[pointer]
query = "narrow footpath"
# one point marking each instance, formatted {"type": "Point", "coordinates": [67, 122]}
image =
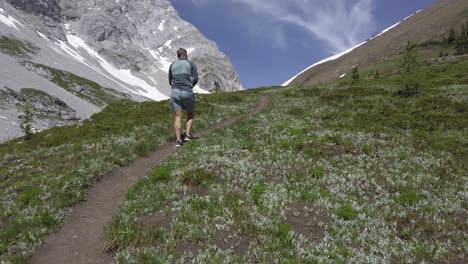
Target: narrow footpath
{"type": "Point", "coordinates": [80, 239]}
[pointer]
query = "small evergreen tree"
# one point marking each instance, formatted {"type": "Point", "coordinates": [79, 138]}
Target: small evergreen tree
{"type": "Point", "coordinates": [217, 87]}
{"type": "Point", "coordinates": [464, 31]}
{"type": "Point", "coordinates": [377, 74]}
{"type": "Point", "coordinates": [410, 66]}
{"type": "Point", "coordinates": [356, 76]}
{"type": "Point", "coordinates": [452, 38]}
{"type": "Point", "coordinates": [462, 42]}
{"type": "Point", "coordinates": [27, 120]}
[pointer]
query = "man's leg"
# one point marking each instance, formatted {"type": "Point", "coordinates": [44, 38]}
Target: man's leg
{"type": "Point", "coordinates": [177, 123]}
{"type": "Point", "coordinates": [189, 123]}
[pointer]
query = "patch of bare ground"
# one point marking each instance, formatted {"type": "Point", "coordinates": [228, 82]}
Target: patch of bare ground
{"type": "Point", "coordinates": [457, 224]}
{"type": "Point", "coordinates": [232, 241]}
{"type": "Point", "coordinates": [458, 220]}
{"type": "Point", "coordinates": [156, 220]}
{"type": "Point", "coordinates": [187, 247]}
{"type": "Point", "coordinates": [189, 190]}
{"type": "Point", "coordinates": [308, 221]}
{"type": "Point", "coordinates": [453, 260]}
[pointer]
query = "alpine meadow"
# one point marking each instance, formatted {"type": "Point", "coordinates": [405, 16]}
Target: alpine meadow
{"type": "Point", "coordinates": [360, 158]}
{"type": "Point", "coordinates": [347, 171]}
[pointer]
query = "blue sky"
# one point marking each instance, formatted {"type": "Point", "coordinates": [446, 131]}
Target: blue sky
{"type": "Point", "coordinates": [270, 41]}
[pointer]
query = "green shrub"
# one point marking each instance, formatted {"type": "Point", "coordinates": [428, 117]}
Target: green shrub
{"type": "Point", "coordinates": [410, 67]}
{"type": "Point", "coordinates": [256, 191]}
{"type": "Point", "coordinates": [161, 174]}
{"type": "Point", "coordinates": [409, 197]}
{"type": "Point", "coordinates": [198, 177]}
{"type": "Point", "coordinates": [318, 172]}
{"type": "Point", "coordinates": [347, 212]}
{"type": "Point", "coordinates": [30, 195]}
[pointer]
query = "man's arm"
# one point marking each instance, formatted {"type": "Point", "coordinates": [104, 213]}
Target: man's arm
{"type": "Point", "coordinates": [194, 74]}
{"type": "Point", "coordinates": [170, 75]}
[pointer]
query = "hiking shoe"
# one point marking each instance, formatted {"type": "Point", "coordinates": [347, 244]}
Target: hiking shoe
{"type": "Point", "coordinates": [188, 137]}
{"type": "Point", "coordinates": [179, 143]}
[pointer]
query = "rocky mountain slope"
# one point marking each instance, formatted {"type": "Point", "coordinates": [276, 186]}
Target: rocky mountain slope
{"type": "Point", "coordinates": [430, 24]}
{"type": "Point", "coordinates": [86, 54]}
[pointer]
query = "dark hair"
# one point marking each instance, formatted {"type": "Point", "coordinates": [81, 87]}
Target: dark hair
{"type": "Point", "coordinates": [181, 53]}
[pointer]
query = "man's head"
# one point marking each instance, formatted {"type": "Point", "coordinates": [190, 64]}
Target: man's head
{"type": "Point", "coordinates": [182, 53]}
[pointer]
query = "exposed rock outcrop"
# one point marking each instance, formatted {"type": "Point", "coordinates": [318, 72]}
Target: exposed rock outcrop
{"type": "Point", "coordinates": [117, 45]}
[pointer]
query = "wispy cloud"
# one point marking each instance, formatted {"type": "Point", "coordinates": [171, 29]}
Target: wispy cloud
{"type": "Point", "coordinates": [340, 24]}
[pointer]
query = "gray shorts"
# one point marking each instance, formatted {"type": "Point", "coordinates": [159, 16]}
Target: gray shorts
{"type": "Point", "coordinates": [182, 100]}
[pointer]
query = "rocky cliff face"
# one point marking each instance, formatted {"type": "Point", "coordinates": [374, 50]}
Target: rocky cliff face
{"type": "Point", "coordinates": [46, 8]}
{"type": "Point", "coordinates": [113, 48]}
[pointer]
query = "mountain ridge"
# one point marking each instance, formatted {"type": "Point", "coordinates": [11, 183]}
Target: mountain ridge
{"type": "Point", "coordinates": [430, 24]}
{"type": "Point", "coordinates": [121, 45]}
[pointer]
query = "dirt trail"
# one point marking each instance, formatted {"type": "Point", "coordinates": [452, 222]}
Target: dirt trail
{"type": "Point", "coordinates": [80, 238]}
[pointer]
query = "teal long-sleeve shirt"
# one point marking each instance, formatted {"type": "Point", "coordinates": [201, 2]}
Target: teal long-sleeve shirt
{"type": "Point", "coordinates": [183, 75]}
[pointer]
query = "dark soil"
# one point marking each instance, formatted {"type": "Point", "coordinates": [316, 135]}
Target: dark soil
{"type": "Point", "coordinates": [156, 220]}
{"type": "Point", "coordinates": [308, 221]}
{"type": "Point", "coordinates": [232, 241]}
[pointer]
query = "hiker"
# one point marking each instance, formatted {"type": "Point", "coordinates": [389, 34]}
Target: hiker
{"type": "Point", "coordinates": [183, 77]}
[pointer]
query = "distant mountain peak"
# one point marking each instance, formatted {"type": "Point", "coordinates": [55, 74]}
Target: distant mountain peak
{"type": "Point", "coordinates": [126, 46]}
{"type": "Point", "coordinates": [432, 23]}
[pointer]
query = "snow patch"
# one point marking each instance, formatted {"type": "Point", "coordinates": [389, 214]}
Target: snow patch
{"type": "Point", "coordinates": [176, 28]}
{"type": "Point", "coordinates": [343, 75]}
{"type": "Point", "coordinates": [161, 25]}
{"type": "Point", "coordinates": [384, 31]}
{"type": "Point", "coordinates": [152, 79]}
{"type": "Point", "coordinates": [190, 50]}
{"type": "Point", "coordinates": [391, 27]}
{"type": "Point", "coordinates": [412, 14]}
{"type": "Point", "coordinates": [51, 45]}
{"type": "Point", "coordinates": [67, 27]}
{"type": "Point", "coordinates": [165, 62]}
{"type": "Point", "coordinates": [168, 43]}
{"type": "Point", "coordinates": [334, 57]}
{"type": "Point", "coordinates": [74, 54]}
{"type": "Point", "coordinates": [123, 75]}
{"type": "Point", "coordinates": [42, 35]}
{"type": "Point", "coordinates": [9, 20]}
{"type": "Point", "coordinates": [2, 117]}
{"type": "Point", "coordinates": [199, 90]}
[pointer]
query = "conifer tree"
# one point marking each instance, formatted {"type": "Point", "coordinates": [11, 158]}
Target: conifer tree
{"type": "Point", "coordinates": [462, 42]}
{"type": "Point", "coordinates": [410, 66]}
{"type": "Point", "coordinates": [452, 36]}
{"type": "Point", "coordinates": [217, 87]}
{"type": "Point", "coordinates": [464, 31]}
{"type": "Point", "coordinates": [27, 120]}
{"type": "Point", "coordinates": [356, 76]}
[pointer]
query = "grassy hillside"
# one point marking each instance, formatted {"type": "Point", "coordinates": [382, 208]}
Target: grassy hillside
{"type": "Point", "coordinates": [79, 86]}
{"type": "Point", "coordinates": [325, 174]}
{"type": "Point", "coordinates": [434, 23]}
{"type": "Point", "coordinates": [15, 47]}
{"type": "Point", "coordinates": [43, 176]}
{"type": "Point", "coordinates": [329, 173]}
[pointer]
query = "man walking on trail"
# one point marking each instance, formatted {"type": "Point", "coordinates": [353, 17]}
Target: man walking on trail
{"type": "Point", "coordinates": [183, 76]}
